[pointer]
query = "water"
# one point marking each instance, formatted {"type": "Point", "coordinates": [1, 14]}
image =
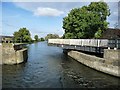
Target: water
{"type": "Point", "coordinates": [48, 67]}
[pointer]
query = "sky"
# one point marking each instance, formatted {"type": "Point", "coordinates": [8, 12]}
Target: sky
{"type": "Point", "coordinates": [41, 18]}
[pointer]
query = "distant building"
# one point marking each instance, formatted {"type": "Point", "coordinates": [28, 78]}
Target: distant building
{"type": "Point", "coordinates": [111, 33]}
{"type": "Point", "coordinates": [6, 39]}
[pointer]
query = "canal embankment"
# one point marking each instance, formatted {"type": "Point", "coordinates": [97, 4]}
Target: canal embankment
{"type": "Point", "coordinates": [110, 63]}
{"type": "Point", "coordinates": [13, 54]}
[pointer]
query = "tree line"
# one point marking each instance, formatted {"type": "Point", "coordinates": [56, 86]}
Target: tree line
{"type": "Point", "coordinates": [23, 35]}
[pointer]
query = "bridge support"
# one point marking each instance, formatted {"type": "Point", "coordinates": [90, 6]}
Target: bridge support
{"type": "Point", "coordinates": [112, 55]}
{"type": "Point", "coordinates": [13, 54]}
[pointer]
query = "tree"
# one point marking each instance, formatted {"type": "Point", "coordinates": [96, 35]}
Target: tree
{"type": "Point", "coordinates": [36, 38]}
{"type": "Point", "coordinates": [98, 34]}
{"type": "Point", "coordinates": [69, 35]}
{"type": "Point", "coordinates": [86, 21]}
{"type": "Point", "coordinates": [22, 36]}
{"type": "Point", "coordinates": [51, 36]}
{"type": "Point", "coordinates": [42, 39]}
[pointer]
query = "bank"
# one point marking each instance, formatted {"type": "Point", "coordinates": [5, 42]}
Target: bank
{"type": "Point", "coordinates": [109, 64]}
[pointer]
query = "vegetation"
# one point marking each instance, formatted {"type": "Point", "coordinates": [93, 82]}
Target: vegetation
{"type": "Point", "coordinates": [86, 22]}
{"type": "Point", "coordinates": [36, 38]}
{"type": "Point", "coordinates": [51, 36]}
{"type": "Point", "coordinates": [41, 39]}
{"type": "Point", "coordinates": [22, 36]}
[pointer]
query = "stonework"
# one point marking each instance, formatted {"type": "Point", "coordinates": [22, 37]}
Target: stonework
{"type": "Point", "coordinates": [12, 56]}
{"type": "Point", "coordinates": [100, 64]}
{"type": "Point", "coordinates": [111, 54]}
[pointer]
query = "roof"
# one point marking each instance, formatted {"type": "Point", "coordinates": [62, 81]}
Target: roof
{"type": "Point", "coordinates": [111, 33]}
{"type": "Point", "coordinates": [6, 36]}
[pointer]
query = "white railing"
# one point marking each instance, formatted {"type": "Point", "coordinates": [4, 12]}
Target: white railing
{"type": "Point", "coordinates": [81, 42]}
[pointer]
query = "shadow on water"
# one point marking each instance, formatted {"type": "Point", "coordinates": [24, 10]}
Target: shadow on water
{"type": "Point", "coordinates": [48, 67]}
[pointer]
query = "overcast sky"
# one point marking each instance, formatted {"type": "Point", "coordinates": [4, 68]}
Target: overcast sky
{"type": "Point", "coordinates": [42, 18]}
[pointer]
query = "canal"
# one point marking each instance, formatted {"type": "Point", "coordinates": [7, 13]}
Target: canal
{"type": "Point", "coordinates": [48, 67]}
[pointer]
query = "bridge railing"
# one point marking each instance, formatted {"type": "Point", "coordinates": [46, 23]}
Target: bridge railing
{"type": "Point", "coordinates": [114, 43]}
{"type": "Point", "coordinates": [88, 42]}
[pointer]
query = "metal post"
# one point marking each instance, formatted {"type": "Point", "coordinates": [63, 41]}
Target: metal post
{"type": "Point", "coordinates": [116, 46]}
{"type": "Point", "coordinates": [117, 42]}
{"type": "Point", "coordinates": [109, 48]}
{"type": "Point", "coordinates": [82, 42]}
{"type": "Point", "coordinates": [98, 43]}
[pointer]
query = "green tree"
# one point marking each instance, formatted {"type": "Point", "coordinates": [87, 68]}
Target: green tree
{"type": "Point", "coordinates": [36, 38]}
{"type": "Point", "coordinates": [69, 35]}
{"type": "Point", "coordinates": [98, 34]}
{"type": "Point", "coordinates": [86, 21]}
{"type": "Point", "coordinates": [51, 36]}
{"type": "Point", "coordinates": [42, 39]}
{"type": "Point", "coordinates": [22, 36]}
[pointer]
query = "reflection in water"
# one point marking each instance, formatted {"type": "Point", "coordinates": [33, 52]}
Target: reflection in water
{"type": "Point", "coordinates": [48, 67]}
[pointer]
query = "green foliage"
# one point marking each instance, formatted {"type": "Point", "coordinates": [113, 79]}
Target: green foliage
{"type": "Point", "coordinates": [36, 38]}
{"type": "Point", "coordinates": [51, 36]}
{"type": "Point", "coordinates": [84, 22]}
{"type": "Point", "coordinates": [22, 36]}
{"type": "Point", "coordinates": [41, 39]}
{"type": "Point", "coordinates": [69, 35]}
{"type": "Point", "coordinates": [98, 34]}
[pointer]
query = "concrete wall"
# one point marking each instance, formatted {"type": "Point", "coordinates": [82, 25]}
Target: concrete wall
{"type": "Point", "coordinates": [11, 56]}
{"type": "Point", "coordinates": [100, 64]}
{"type": "Point", "coordinates": [111, 54]}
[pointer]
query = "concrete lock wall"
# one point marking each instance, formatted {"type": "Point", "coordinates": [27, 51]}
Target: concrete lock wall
{"type": "Point", "coordinates": [100, 64]}
{"type": "Point", "coordinates": [111, 54]}
{"type": "Point", "coordinates": [11, 56]}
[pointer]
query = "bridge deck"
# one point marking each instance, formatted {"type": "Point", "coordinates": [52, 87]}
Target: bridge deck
{"type": "Point", "coordinates": [90, 45]}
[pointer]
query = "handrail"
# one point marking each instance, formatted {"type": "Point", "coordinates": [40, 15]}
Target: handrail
{"type": "Point", "coordinates": [112, 43]}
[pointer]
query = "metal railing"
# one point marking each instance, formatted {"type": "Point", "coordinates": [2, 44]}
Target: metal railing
{"type": "Point", "coordinates": [111, 43]}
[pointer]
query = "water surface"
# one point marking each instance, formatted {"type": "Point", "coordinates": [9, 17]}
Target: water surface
{"type": "Point", "coordinates": [48, 67]}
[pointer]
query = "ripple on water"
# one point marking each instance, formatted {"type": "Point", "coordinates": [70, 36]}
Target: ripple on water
{"type": "Point", "coordinates": [48, 67]}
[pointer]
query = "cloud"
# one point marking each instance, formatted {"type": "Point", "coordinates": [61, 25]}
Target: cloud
{"type": "Point", "coordinates": [59, 8]}
{"type": "Point", "coordinates": [28, 6]}
{"type": "Point", "coordinates": [40, 11]}
{"type": "Point", "coordinates": [41, 8]}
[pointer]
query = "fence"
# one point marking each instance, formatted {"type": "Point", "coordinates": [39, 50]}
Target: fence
{"type": "Point", "coordinates": [112, 43]}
